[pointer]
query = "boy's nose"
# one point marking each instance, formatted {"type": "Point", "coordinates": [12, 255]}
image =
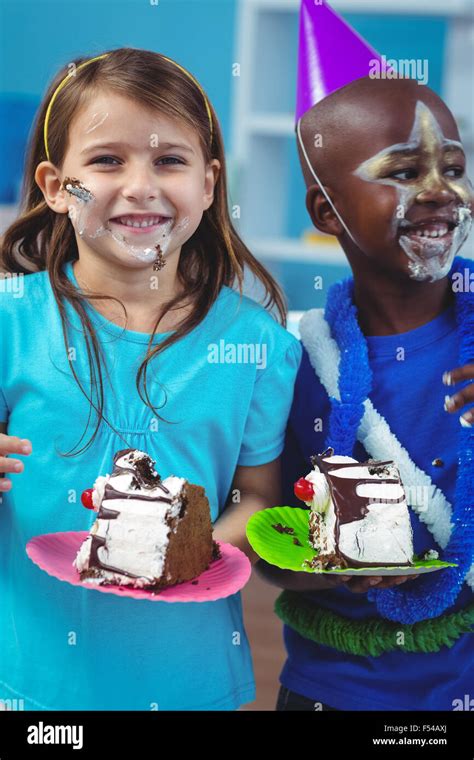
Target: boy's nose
{"type": "Point", "coordinates": [438, 192]}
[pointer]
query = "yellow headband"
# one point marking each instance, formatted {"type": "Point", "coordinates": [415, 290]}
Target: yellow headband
{"type": "Point", "coordinates": [85, 63]}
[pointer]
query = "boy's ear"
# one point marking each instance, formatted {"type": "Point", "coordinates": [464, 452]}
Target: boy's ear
{"type": "Point", "coordinates": [321, 212]}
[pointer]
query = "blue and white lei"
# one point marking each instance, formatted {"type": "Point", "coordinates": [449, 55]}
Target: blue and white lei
{"type": "Point", "coordinates": [338, 352]}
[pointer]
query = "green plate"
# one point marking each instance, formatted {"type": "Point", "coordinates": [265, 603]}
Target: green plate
{"type": "Point", "coordinates": [282, 549]}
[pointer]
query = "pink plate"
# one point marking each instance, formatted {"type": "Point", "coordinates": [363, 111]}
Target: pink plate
{"type": "Point", "coordinates": [55, 552]}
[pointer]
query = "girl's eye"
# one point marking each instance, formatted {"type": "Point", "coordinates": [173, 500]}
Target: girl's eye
{"type": "Point", "coordinates": [168, 159]}
{"type": "Point", "coordinates": [454, 171]}
{"type": "Point", "coordinates": [102, 159]}
{"type": "Point", "coordinates": [405, 174]}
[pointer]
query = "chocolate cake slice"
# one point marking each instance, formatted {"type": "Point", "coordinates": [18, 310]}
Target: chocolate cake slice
{"type": "Point", "coordinates": [359, 514]}
{"type": "Point", "coordinates": [149, 532]}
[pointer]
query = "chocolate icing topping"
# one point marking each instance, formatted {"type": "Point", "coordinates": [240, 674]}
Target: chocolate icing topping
{"type": "Point", "coordinates": [349, 506]}
{"type": "Point", "coordinates": [143, 478]}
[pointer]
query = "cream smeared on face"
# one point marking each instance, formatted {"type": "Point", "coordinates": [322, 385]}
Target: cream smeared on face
{"type": "Point", "coordinates": [434, 165]}
{"type": "Point", "coordinates": [147, 179]}
{"type": "Point", "coordinates": [143, 236]}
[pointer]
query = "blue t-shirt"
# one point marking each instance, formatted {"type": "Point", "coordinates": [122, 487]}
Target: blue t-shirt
{"type": "Point", "coordinates": [410, 394]}
{"type": "Point", "coordinates": [64, 647]}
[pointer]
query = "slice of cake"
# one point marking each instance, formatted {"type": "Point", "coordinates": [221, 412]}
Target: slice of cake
{"type": "Point", "coordinates": [149, 533]}
{"type": "Point", "coordinates": [359, 515]}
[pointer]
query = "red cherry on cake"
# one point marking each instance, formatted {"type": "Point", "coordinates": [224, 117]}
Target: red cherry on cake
{"type": "Point", "coordinates": [304, 489]}
{"type": "Point", "coordinates": [86, 498]}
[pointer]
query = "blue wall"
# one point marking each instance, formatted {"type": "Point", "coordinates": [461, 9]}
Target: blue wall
{"type": "Point", "coordinates": [38, 38]}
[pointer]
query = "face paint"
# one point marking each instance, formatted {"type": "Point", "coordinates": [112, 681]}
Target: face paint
{"type": "Point", "coordinates": [155, 240]}
{"type": "Point", "coordinates": [429, 246]}
{"type": "Point", "coordinates": [96, 121]}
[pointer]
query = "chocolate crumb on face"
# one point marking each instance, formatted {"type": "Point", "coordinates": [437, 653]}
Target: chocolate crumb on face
{"type": "Point", "coordinates": [194, 583]}
{"type": "Point", "coordinates": [76, 188]}
{"type": "Point", "coordinates": [283, 529]}
{"type": "Point", "coordinates": [297, 542]}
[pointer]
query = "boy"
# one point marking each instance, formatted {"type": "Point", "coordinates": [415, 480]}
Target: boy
{"type": "Point", "coordinates": [391, 186]}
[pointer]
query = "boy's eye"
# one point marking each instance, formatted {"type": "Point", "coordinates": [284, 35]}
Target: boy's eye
{"type": "Point", "coordinates": [405, 174]}
{"type": "Point", "coordinates": [454, 171]}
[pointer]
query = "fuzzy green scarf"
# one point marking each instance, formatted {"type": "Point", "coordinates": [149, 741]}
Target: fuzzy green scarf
{"type": "Point", "coordinates": [373, 636]}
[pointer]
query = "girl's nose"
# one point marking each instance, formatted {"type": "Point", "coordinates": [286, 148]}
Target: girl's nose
{"type": "Point", "coordinates": [140, 184]}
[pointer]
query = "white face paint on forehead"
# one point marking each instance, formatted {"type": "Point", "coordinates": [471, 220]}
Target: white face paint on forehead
{"type": "Point", "coordinates": [146, 241]}
{"type": "Point", "coordinates": [430, 241]}
{"type": "Point", "coordinates": [97, 120]}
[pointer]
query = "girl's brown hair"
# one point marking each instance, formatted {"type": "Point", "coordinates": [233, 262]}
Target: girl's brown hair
{"type": "Point", "coordinates": [214, 256]}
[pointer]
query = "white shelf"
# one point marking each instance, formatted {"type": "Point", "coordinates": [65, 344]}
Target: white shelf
{"type": "Point", "coordinates": [283, 125]}
{"type": "Point", "coordinates": [289, 249]}
{"type": "Point", "coordinates": [415, 7]}
{"type": "Point", "coordinates": [276, 124]}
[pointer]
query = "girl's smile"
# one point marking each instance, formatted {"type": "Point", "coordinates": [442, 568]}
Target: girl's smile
{"type": "Point", "coordinates": [139, 224]}
{"type": "Point", "coordinates": [142, 182]}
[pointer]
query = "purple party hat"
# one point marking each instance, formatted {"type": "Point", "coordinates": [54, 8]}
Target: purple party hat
{"type": "Point", "coordinates": [331, 54]}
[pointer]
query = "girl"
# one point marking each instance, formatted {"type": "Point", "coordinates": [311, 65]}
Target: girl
{"type": "Point", "coordinates": [125, 330]}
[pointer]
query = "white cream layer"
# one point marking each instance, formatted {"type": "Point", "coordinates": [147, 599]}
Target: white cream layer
{"type": "Point", "coordinates": [385, 533]}
{"type": "Point", "coordinates": [137, 539]}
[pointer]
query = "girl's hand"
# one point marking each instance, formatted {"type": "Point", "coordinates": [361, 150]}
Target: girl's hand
{"type": "Point", "coordinates": [464, 396]}
{"type": "Point", "coordinates": [11, 444]}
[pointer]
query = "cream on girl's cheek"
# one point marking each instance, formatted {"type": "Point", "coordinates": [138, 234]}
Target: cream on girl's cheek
{"type": "Point", "coordinates": [87, 221]}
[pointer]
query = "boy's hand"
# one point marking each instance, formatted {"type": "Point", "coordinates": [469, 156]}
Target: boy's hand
{"type": "Point", "coordinates": [11, 444]}
{"type": "Point", "coordinates": [464, 396]}
{"type": "Point", "coordinates": [362, 584]}
{"type": "Point", "coordinates": [295, 581]}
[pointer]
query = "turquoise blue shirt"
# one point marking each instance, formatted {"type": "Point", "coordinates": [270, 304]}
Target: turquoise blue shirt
{"type": "Point", "coordinates": [64, 647]}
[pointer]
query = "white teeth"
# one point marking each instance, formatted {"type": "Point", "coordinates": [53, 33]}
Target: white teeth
{"type": "Point", "coordinates": [130, 222]}
{"type": "Point", "coordinates": [440, 232]}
